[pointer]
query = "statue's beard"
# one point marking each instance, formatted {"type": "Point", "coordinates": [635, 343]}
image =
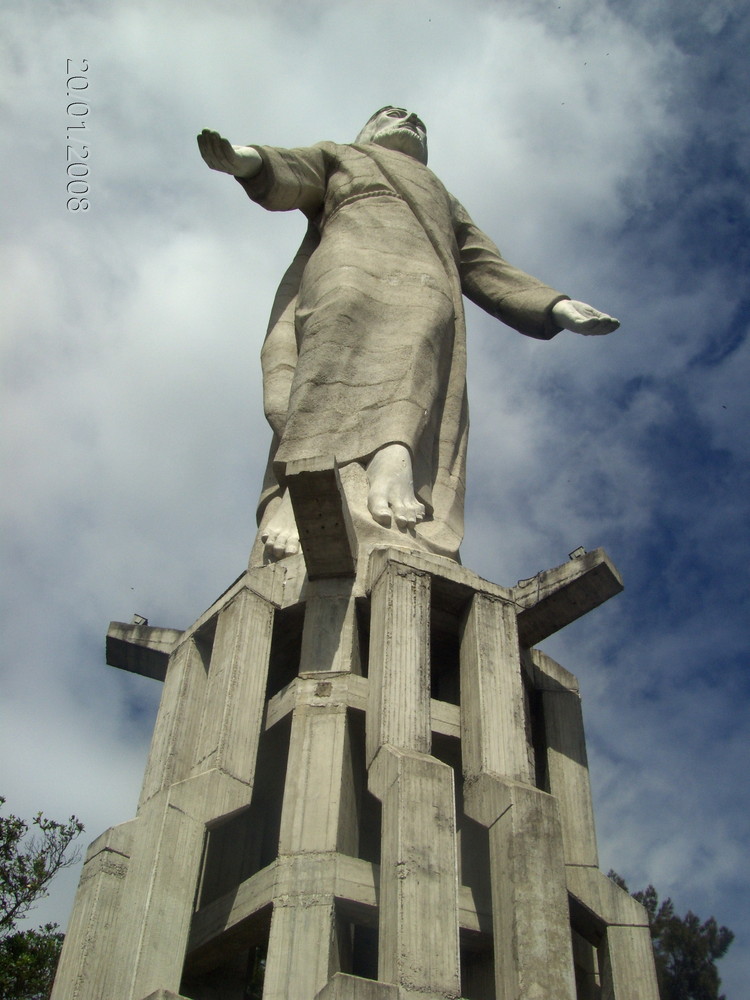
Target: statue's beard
{"type": "Point", "coordinates": [405, 139]}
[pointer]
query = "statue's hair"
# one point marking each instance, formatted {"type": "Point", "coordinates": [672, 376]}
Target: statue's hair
{"type": "Point", "coordinates": [366, 133]}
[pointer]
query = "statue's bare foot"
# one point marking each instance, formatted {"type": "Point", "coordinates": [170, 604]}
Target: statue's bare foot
{"type": "Point", "coordinates": [280, 535]}
{"type": "Point", "coordinates": [391, 480]}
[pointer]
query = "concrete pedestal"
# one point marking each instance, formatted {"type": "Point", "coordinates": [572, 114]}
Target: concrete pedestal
{"type": "Point", "coordinates": [367, 786]}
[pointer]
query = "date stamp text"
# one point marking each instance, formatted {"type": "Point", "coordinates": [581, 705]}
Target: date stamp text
{"type": "Point", "coordinates": [77, 166]}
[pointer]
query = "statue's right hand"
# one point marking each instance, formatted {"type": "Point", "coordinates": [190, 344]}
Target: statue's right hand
{"type": "Point", "coordinates": [220, 154]}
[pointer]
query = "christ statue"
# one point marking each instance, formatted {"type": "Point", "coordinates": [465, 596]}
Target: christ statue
{"type": "Point", "coordinates": [364, 361]}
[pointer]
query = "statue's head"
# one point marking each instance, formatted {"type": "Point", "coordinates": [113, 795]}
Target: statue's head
{"type": "Point", "coordinates": [397, 128]}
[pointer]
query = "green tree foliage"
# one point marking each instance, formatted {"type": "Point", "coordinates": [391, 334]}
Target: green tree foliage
{"type": "Point", "coordinates": [28, 863]}
{"type": "Point", "coordinates": [685, 950]}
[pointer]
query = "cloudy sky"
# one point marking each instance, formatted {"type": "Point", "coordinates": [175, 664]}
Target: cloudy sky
{"type": "Point", "coordinates": [605, 147]}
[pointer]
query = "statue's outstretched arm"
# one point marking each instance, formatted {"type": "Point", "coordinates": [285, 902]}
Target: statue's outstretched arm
{"type": "Point", "coordinates": [220, 154]}
{"type": "Point", "coordinates": [582, 318]}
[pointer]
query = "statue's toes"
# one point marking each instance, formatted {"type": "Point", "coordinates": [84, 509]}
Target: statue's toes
{"type": "Point", "coordinates": [408, 513]}
{"type": "Point", "coordinates": [292, 545]}
{"type": "Point", "coordinates": [379, 508]}
{"type": "Point", "coordinates": [280, 544]}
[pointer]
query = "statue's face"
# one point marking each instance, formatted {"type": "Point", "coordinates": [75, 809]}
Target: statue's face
{"type": "Point", "coordinates": [397, 128]}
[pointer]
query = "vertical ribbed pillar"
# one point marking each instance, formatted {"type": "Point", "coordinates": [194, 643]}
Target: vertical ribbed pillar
{"type": "Point", "coordinates": [567, 764]}
{"type": "Point", "coordinates": [235, 693]}
{"type": "Point", "coordinates": [626, 961]}
{"type": "Point", "coordinates": [318, 819]}
{"type": "Point", "coordinates": [398, 707]}
{"type": "Point", "coordinates": [167, 852]}
{"type": "Point", "coordinates": [178, 721]}
{"type": "Point", "coordinates": [418, 901]}
{"type": "Point", "coordinates": [330, 640]}
{"type": "Point", "coordinates": [493, 733]}
{"type": "Point", "coordinates": [533, 952]}
{"type": "Point", "coordinates": [89, 939]}
{"type": "Point", "coordinates": [95, 959]}
{"type": "Point", "coordinates": [418, 939]}
{"type": "Point", "coordinates": [319, 810]}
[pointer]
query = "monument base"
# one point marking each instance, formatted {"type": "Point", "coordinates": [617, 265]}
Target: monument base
{"type": "Point", "coordinates": [362, 788]}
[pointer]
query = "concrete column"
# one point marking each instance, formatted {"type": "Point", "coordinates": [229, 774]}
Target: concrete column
{"type": "Point", "coordinates": [302, 947]}
{"type": "Point", "coordinates": [319, 796]}
{"type": "Point", "coordinates": [625, 957]}
{"type": "Point", "coordinates": [418, 902]}
{"type": "Point", "coordinates": [567, 764]}
{"type": "Point", "coordinates": [626, 960]}
{"type": "Point", "coordinates": [168, 848]}
{"type": "Point", "coordinates": [90, 936]}
{"type": "Point", "coordinates": [330, 640]}
{"type": "Point", "coordinates": [178, 721]}
{"type": "Point", "coordinates": [493, 727]}
{"type": "Point", "coordinates": [533, 952]}
{"type": "Point", "coordinates": [235, 694]}
{"type": "Point", "coordinates": [318, 819]}
{"type": "Point", "coordinates": [418, 939]}
{"type": "Point", "coordinates": [398, 708]}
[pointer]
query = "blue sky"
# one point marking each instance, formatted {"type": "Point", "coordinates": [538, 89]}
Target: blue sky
{"type": "Point", "coordinates": [605, 147]}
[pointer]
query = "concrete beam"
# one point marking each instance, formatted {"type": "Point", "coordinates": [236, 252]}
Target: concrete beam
{"type": "Point", "coordinates": [352, 882]}
{"type": "Point", "coordinates": [553, 599]}
{"type": "Point", "coordinates": [141, 649]}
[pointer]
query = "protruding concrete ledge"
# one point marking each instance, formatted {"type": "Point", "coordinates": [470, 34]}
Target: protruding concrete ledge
{"type": "Point", "coordinates": [455, 584]}
{"type": "Point", "coordinates": [596, 903]}
{"type": "Point", "coordinates": [117, 840]}
{"type": "Point", "coordinates": [351, 880]}
{"type": "Point", "coordinates": [141, 649]}
{"type": "Point", "coordinates": [553, 599]}
{"type": "Point", "coordinates": [326, 532]}
{"type": "Point", "coordinates": [310, 688]}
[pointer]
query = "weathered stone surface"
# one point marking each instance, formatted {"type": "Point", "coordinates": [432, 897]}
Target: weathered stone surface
{"type": "Point", "coordinates": [165, 995]}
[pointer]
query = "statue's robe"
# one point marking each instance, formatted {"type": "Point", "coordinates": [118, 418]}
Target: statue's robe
{"type": "Point", "coordinates": [367, 342]}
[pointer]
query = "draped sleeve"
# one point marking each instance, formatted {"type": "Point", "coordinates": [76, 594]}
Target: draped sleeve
{"type": "Point", "coordinates": [289, 179]}
{"type": "Point", "coordinates": [505, 292]}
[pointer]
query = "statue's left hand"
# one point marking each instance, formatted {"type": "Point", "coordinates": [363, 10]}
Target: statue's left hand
{"type": "Point", "coordinates": [582, 318]}
{"type": "Point", "coordinates": [220, 154]}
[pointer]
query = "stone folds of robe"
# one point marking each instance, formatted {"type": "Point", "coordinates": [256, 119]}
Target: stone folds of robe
{"type": "Point", "coordinates": [367, 341]}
